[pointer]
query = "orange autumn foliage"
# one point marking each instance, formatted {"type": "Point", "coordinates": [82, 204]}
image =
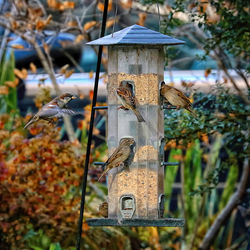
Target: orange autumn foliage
{"type": "Point", "coordinates": [17, 46]}
{"type": "Point", "coordinates": [61, 6]}
{"type": "Point", "coordinates": [39, 182]}
{"type": "Point", "coordinates": [89, 25]}
{"type": "Point", "coordinates": [142, 18]}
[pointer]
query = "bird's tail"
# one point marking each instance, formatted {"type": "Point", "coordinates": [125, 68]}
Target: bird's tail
{"type": "Point", "coordinates": [139, 116]}
{"type": "Point", "coordinates": [104, 172]}
{"type": "Point", "coordinates": [29, 123]}
{"type": "Point", "coordinates": [191, 111]}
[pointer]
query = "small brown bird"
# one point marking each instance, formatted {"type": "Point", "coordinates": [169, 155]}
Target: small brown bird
{"type": "Point", "coordinates": [123, 154]}
{"type": "Point", "coordinates": [175, 97]}
{"type": "Point", "coordinates": [55, 108]}
{"type": "Point", "coordinates": [129, 101]}
{"type": "Point", "coordinates": [103, 209]}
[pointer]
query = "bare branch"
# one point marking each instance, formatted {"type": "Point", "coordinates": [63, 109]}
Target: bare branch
{"type": "Point", "coordinates": [41, 7]}
{"type": "Point", "coordinates": [233, 202]}
{"type": "Point", "coordinates": [217, 54]}
{"type": "Point", "coordinates": [86, 10]}
{"type": "Point", "coordinates": [74, 62]}
{"type": "Point", "coordinates": [222, 65]}
{"type": "Point", "coordinates": [79, 30]}
{"type": "Point", "coordinates": [4, 43]}
{"type": "Point", "coordinates": [48, 67]}
{"type": "Point", "coordinates": [242, 75]}
{"type": "Point", "coordinates": [51, 73]}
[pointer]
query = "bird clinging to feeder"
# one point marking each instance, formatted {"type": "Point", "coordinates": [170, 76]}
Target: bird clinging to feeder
{"type": "Point", "coordinates": [175, 97]}
{"type": "Point", "coordinates": [103, 209]}
{"type": "Point", "coordinates": [129, 101]}
{"type": "Point", "coordinates": [54, 109]}
{"type": "Point", "coordinates": [123, 154]}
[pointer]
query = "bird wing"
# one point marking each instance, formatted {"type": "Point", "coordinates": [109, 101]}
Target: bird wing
{"type": "Point", "coordinates": [164, 90]}
{"type": "Point", "coordinates": [119, 155]}
{"type": "Point", "coordinates": [135, 101]}
{"type": "Point", "coordinates": [127, 97]}
{"type": "Point", "coordinates": [130, 99]}
{"type": "Point", "coordinates": [63, 112]}
{"type": "Point", "coordinates": [46, 112]}
{"type": "Point", "coordinates": [50, 111]}
{"type": "Point", "coordinates": [180, 94]}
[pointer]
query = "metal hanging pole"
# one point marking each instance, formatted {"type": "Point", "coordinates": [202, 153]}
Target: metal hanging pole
{"type": "Point", "coordinates": [85, 175]}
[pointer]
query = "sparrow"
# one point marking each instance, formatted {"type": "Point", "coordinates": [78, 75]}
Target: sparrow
{"type": "Point", "coordinates": [123, 154]}
{"type": "Point", "coordinates": [103, 209]}
{"type": "Point", "coordinates": [175, 97]}
{"type": "Point", "coordinates": [129, 101]}
{"type": "Point", "coordinates": [55, 108]}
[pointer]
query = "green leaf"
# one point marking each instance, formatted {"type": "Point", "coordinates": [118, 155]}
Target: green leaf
{"type": "Point", "coordinates": [55, 246]}
{"type": "Point", "coordinates": [229, 185]}
{"type": "Point", "coordinates": [35, 247]}
{"type": "Point", "coordinates": [29, 234]}
{"type": "Point", "coordinates": [8, 102]}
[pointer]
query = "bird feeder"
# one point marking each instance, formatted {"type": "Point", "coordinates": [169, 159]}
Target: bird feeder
{"type": "Point", "coordinates": [136, 193]}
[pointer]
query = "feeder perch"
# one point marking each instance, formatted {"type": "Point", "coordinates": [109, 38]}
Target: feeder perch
{"type": "Point", "coordinates": [136, 193]}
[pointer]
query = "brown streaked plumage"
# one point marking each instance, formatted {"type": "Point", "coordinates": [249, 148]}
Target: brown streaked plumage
{"type": "Point", "coordinates": [123, 154]}
{"type": "Point", "coordinates": [175, 97]}
{"type": "Point", "coordinates": [103, 209]}
{"type": "Point", "coordinates": [129, 101]}
{"type": "Point", "coordinates": [55, 108]}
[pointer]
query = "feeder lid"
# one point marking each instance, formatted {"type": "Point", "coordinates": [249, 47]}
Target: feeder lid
{"type": "Point", "coordinates": [136, 34]}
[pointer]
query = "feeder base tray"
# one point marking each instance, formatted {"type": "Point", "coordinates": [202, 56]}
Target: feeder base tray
{"type": "Point", "coordinates": [163, 222]}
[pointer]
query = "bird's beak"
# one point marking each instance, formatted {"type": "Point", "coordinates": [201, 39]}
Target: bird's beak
{"type": "Point", "coordinates": [74, 97]}
{"type": "Point", "coordinates": [119, 92]}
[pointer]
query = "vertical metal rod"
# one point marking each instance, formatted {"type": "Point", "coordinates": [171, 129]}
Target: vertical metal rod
{"type": "Point", "coordinates": [85, 175]}
{"type": "Point", "coordinates": [159, 16]}
{"type": "Point", "coordinates": [116, 3]}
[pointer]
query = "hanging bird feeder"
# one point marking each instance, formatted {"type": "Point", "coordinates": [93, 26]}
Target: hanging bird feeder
{"type": "Point", "coordinates": [136, 193]}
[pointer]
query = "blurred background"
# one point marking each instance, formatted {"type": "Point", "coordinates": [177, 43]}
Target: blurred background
{"type": "Point", "coordinates": [43, 52]}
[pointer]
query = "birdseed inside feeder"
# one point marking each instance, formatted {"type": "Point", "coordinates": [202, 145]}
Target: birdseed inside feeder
{"type": "Point", "coordinates": [136, 193]}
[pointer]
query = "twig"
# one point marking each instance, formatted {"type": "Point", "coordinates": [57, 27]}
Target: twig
{"type": "Point", "coordinates": [68, 29]}
{"type": "Point", "coordinates": [46, 65]}
{"type": "Point", "coordinates": [224, 68]}
{"type": "Point", "coordinates": [74, 62]}
{"type": "Point", "coordinates": [41, 7]}
{"type": "Point", "coordinates": [4, 40]}
{"type": "Point", "coordinates": [242, 75]}
{"type": "Point", "coordinates": [49, 66]}
{"type": "Point", "coordinates": [215, 55]}
{"type": "Point", "coordinates": [4, 43]}
{"type": "Point", "coordinates": [233, 202]}
{"type": "Point", "coordinates": [86, 10]}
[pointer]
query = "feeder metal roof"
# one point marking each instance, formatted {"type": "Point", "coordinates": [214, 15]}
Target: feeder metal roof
{"type": "Point", "coordinates": [136, 34]}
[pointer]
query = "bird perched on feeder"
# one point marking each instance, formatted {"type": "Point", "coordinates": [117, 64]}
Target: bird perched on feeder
{"type": "Point", "coordinates": [175, 97]}
{"type": "Point", "coordinates": [123, 154]}
{"type": "Point", "coordinates": [54, 109]}
{"type": "Point", "coordinates": [129, 101]}
{"type": "Point", "coordinates": [103, 209]}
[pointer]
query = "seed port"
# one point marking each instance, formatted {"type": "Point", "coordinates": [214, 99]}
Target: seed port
{"type": "Point", "coordinates": [143, 95]}
{"type": "Point", "coordinates": [127, 206]}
